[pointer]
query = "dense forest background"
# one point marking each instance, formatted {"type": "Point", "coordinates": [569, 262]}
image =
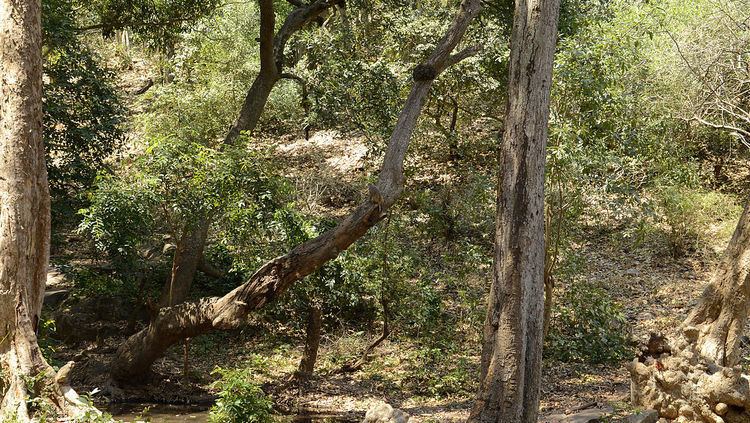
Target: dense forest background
{"type": "Point", "coordinates": [646, 178]}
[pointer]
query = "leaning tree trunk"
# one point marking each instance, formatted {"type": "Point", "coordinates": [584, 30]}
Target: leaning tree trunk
{"type": "Point", "coordinates": [24, 221]}
{"type": "Point", "coordinates": [513, 331]}
{"type": "Point", "coordinates": [696, 376]}
{"type": "Point", "coordinates": [272, 45]}
{"type": "Point", "coordinates": [135, 356]}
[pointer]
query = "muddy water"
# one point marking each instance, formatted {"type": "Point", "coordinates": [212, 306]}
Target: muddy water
{"type": "Point", "coordinates": [167, 413]}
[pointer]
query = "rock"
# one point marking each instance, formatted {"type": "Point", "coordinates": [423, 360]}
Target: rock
{"type": "Point", "coordinates": [384, 413]}
{"type": "Point", "coordinates": [721, 408]}
{"type": "Point", "coordinates": [691, 333]}
{"type": "Point", "coordinates": [52, 299]}
{"type": "Point", "coordinates": [593, 415]}
{"type": "Point", "coordinates": [55, 279]}
{"type": "Point", "coordinates": [648, 416]}
{"type": "Point", "coordinates": [633, 272]}
{"type": "Point", "coordinates": [62, 375]}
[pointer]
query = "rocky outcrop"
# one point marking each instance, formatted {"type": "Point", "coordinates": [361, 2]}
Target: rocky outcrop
{"type": "Point", "coordinates": [384, 413]}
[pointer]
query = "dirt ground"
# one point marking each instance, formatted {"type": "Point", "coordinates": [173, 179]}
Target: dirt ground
{"type": "Point", "coordinates": [656, 292]}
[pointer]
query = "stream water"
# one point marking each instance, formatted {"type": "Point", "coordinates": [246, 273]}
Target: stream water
{"type": "Point", "coordinates": [170, 413]}
{"type": "Point", "coordinates": [158, 413]}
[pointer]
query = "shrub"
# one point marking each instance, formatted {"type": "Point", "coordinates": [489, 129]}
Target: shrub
{"type": "Point", "coordinates": [241, 400]}
{"type": "Point", "coordinates": [693, 218]}
{"type": "Point", "coordinates": [587, 326]}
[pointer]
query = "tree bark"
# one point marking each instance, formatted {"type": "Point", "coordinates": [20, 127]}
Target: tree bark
{"type": "Point", "coordinates": [272, 46]}
{"type": "Point", "coordinates": [698, 376]}
{"type": "Point", "coordinates": [512, 349]}
{"type": "Point", "coordinates": [312, 343]}
{"type": "Point", "coordinates": [722, 311]}
{"type": "Point", "coordinates": [188, 256]}
{"type": "Point", "coordinates": [24, 220]}
{"type": "Point", "coordinates": [135, 356]}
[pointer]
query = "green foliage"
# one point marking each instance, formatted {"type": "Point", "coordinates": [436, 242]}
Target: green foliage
{"type": "Point", "coordinates": [695, 218]}
{"type": "Point", "coordinates": [441, 373]}
{"type": "Point", "coordinates": [174, 184]}
{"type": "Point", "coordinates": [366, 102]}
{"type": "Point", "coordinates": [241, 400]}
{"type": "Point", "coordinates": [83, 114]}
{"type": "Point", "coordinates": [587, 326]}
{"type": "Point", "coordinates": [91, 284]}
{"type": "Point", "coordinates": [158, 21]}
{"type": "Point", "coordinates": [47, 344]}
{"type": "Point", "coordinates": [606, 112]}
{"type": "Point", "coordinates": [120, 215]}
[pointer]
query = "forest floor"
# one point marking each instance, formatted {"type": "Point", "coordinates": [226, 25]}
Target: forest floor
{"type": "Point", "coordinates": [654, 289]}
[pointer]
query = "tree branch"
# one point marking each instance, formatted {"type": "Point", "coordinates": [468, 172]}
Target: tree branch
{"type": "Point", "coordinates": [272, 60]}
{"type": "Point", "coordinates": [738, 131]}
{"type": "Point", "coordinates": [295, 21]}
{"type": "Point", "coordinates": [462, 55]}
{"type": "Point", "coordinates": [172, 324]}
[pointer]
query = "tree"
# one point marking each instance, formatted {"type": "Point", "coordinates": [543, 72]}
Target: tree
{"type": "Point", "coordinates": [513, 331]}
{"type": "Point", "coordinates": [696, 375]}
{"type": "Point", "coordinates": [83, 114]}
{"type": "Point", "coordinates": [27, 383]}
{"type": "Point", "coordinates": [191, 241]}
{"type": "Point", "coordinates": [172, 324]}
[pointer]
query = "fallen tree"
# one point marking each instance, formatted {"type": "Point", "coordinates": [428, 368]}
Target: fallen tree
{"type": "Point", "coordinates": [172, 324]}
{"type": "Point", "coordinates": [695, 375]}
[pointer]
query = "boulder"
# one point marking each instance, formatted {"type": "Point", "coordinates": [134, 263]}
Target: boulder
{"type": "Point", "coordinates": [384, 413]}
{"type": "Point", "coordinates": [648, 416]}
{"type": "Point", "coordinates": [593, 415]}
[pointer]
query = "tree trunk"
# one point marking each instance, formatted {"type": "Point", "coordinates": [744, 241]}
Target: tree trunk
{"type": "Point", "coordinates": [512, 349]}
{"type": "Point", "coordinates": [722, 311]}
{"type": "Point", "coordinates": [697, 377]}
{"type": "Point", "coordinates": [24, 220]}
{"type": "Point", "coordinates": [272, 45]}
{"type": "Point", "coordinates": [187, 258]}
{"type": "Point", "coordinates": [312, 342]}
{"type": "Point", "coordinates": [135, 356]}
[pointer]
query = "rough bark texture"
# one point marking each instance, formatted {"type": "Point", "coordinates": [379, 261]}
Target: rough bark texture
{"type": "Point", "coordinates": [312, 342]}
{"type": "Point", "coordinates": [188, 256]}
{"type": "Point", "coordinates": [272, 45]}
{"type": "Point", "coordinates": [24, 220]}
{"type": "Point", "coordinates": [135, 356]}
{"type": "Point", "coordinates": [698, 378]}
{"type": "Point", "coordinates": [512, 349]}
{"type": "Point", "coordinates": [722, 311]}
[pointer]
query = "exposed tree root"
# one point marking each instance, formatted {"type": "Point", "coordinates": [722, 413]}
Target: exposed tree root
{"type": "Point", "coordinates": [30, 389]}
{"type": "Point", "coordinates": [683, 384]}
{"type": "Point", "coordinates": [38, 393]}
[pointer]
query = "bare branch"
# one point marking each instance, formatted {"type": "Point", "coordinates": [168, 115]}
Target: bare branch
{"type": "Point", "coordinates": [741, 133]}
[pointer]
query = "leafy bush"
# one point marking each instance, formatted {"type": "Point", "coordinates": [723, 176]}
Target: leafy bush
{"type": "Point", "coordinates": [241, 400]}
{"type": "Point", "coordinates": [694, 217]}
{"type": "Point", "coordinates": [587, 326]}
{"type": "Point", "coordinates": [442, 372]}
{"type": "Point", "coordinates": [120, 215]}
{"type": "Point", "coordinates": [83, 114]}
